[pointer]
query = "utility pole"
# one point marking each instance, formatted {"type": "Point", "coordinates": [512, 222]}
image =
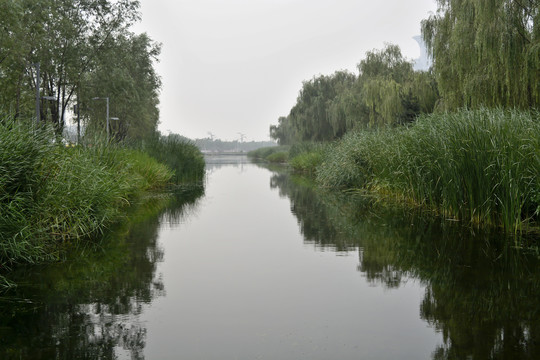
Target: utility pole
{"type": "Point", "coordinates": [38, 98]}
{"type": "Point", "coordinates": [106, 98]}
{"type": "Point", "coordinates": [77, 110]}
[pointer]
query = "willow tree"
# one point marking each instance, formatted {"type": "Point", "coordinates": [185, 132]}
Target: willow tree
{"type": "Point", "coordinates": [310, 117]}
{"type": "Point", "coordinates": [390, 90]}
{"type": "Point", "coordinates": [386, 92]}
{"type": "Point", "coordinates": [486, 52]}
{"type": "Point", "coordinates": [283, 132]}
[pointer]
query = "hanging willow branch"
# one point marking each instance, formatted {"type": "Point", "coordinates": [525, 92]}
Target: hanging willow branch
{"type": "Point", "coordinates": [486, 52]}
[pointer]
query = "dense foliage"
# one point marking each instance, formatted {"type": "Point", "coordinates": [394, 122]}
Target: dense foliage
{"type": "Point", "coordinates": [481, 165]}
{"type": "Point", "coordinates": [85, 50]}
{"type": "Point", "coordinates": [480, 161]}
{"type": "Point", "coordinates": [179, 154]}
{"type": "Point", "coordinates": [51, 194]}
{"type": "Point", "coordinates": [486, 52]}
{"type": "Point", "coordinates": [386, 92]}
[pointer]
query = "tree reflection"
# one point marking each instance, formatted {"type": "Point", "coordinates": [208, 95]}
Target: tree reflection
{"type": "Point", "coordinates": [88, 306]}
{"type": "Point", "coordinates": [481, 290]}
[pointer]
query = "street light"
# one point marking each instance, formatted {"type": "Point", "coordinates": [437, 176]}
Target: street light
{"type": "Point", "coordinates": [38, 95]}
{"type": "Point", "coordinates": [38, 112]}
{"type": "Point", "coordinates": [105, 98]}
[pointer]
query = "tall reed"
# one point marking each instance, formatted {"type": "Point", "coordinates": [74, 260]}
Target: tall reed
{"type": "Point", "coordinates": [477, 165]}
{"type": "Point", "coordinates": [306, 157]}
{"type": "Point", "coordinates": [51, 194]}
{"type": "Point", "coordinates": [183, 157]}
{"type": "Point", "coordinates": [265, 153]}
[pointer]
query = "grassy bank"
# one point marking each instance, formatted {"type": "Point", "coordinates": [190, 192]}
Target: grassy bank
{"type": "Point", "coordinates": [273, 154]}
{"type": "Point", "coordinates": [184, 158]}
{"type": "Point", "coordinates": [480, 166]}
{"type": "Point", "coordinates": [51, 195]}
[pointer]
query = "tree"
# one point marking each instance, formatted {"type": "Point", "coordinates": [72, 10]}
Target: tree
{"type": "Point", "coordinates": [311, 118]}
{"type": "Point", "coordinates": [486, 52]}
{"type": "Point", "coordinates": [384, 78]}
{"type": "Point", "coordinates": [387, 92]}
{"type": "Point", "coordinates": [85, 50]}
{"type": "Point", "coordinates": [283, 133]}
{"type": "Point", "coordinates": [124, 72]}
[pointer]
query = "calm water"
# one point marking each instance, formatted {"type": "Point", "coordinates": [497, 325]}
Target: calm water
{"type": "Point", "coordinates": [258, 265]}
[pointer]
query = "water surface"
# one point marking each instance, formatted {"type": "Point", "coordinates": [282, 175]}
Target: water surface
{"type": "Point", "coordinates": [259, 265]}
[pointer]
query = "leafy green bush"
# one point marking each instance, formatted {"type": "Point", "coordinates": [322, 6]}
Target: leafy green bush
{"type": "Point", "coordinates": [278, 157]}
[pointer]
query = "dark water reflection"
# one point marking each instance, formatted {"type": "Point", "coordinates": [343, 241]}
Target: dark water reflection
{"type": "Point", "coordinates": [482, 291]}
{"type": "Point", "coordinates": [243, 270]}
{"type": "Point", "coordinates": [88, 306]}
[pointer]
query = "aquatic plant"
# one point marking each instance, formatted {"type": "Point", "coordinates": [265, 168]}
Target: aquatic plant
{"type": "Point", "coordinates": [477, 165]}
{"type": "Point", "coordinates": [265, 152]}
{"type": "Point", "coordinates": [182, 156]}
{"type": "Point", "coordinates": [307, 156]}
{"type": "Point", "coordinates": [51, 194]}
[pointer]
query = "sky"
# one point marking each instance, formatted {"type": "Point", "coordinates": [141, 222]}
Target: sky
{"type": "Point", "coordinates": [233, 67]}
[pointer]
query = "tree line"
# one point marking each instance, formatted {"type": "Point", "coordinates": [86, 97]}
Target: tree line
{"type": "Point", "coordinates": [484, 54]}
{"type": "Point", "coordinates": [84, 52]}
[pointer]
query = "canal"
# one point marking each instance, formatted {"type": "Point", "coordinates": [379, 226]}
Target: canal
{"type": "Point", "coordinates": [260, 265]}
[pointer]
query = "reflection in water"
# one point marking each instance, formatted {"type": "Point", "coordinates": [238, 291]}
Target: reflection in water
{"type": "Point", "coordinates": [217, 161]}
{"type": "Point", "coordinates": [481, 292]}
{"type": "Point", "coordinates": [236, 285]}
{"type": "Point", "coordinates": [77, 309]}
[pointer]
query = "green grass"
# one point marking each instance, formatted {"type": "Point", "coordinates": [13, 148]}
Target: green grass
{"type": "Point", "coordinates": [183, 157]}
{"type": "Point", "coordinates": [307, 156]}
{"type": "Point", "coordinates": [52, 195]}
{"type": "Point", "coordinates": [267, 153]}
{"type": "Point", "coordinates": [481, 166]}
{"type": "Point", "coordinates": [278, 157]}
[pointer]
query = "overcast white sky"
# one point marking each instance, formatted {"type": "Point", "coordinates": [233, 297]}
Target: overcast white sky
{"type": "Point", "coordinates": [236, 66]}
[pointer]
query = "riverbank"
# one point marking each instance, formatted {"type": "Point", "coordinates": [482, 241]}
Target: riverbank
{"type": "Point", "coordinates": [52, 195]}
{"type": "Point", "coordinates": [481, 166]}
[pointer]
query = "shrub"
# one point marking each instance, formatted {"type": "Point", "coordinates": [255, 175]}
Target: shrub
{"type": "Point", "coordinates": [278, 157]}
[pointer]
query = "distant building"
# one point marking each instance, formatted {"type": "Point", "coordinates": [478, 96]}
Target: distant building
{"type": "Point", "coordinates": [423, 63]}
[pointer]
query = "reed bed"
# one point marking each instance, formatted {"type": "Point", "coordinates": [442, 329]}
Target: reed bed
{"type": "Point", "coordinates": [268, 153]}
{"type": "Point", "coordinates": [51, 194]}
{"type": "Point", "coordinates": [481, 165]}
{"type": "Point", "coordinates": [179, 154]}
{"type": "Point", "coordinates": [306, 157]}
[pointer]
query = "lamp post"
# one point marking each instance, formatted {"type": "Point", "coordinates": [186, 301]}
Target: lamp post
{"type": "Point", "coordinates": [105, 98]}
{"type": "Point", "coordinates": [38, 112]}
{"type": "Point", "coordinates": [38, 95]}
